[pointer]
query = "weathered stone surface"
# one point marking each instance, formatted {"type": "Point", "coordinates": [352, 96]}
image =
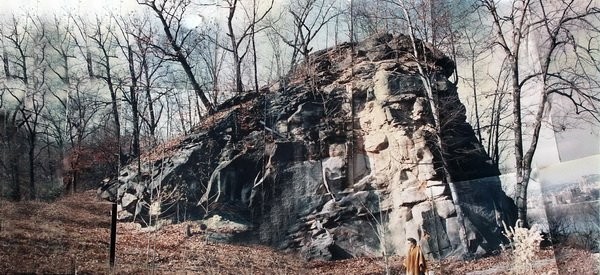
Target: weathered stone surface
{"type": "Point", "coordinates": [376, 142]}
{"type": "Point", "coordinates": [313, 166]}
{"type": "Point", "coordinates": [128, 199]}
{"type": "Point", "coordinates": [124, 215]}
{"type": "Point", "coordinates": [412, 229]}
{"type": "Point", "coordinates": [431, 183]}
{"type": "Point", "coordinates": [433, 192]}
{"type": "Point", "coordinates": [334, 173]}
{"type": "Point", "coordinates": [452, 231]}
{"type": "Point", "coordinates": [445, 208]}
{"type": "Point", "coordinates": [381, 87]}
{"type": "Point", "coordinates": [418, 109]}
{"type": "Point", "coordinates": [411, 196]}
{"type": "Point", "coordinates": [318, 247]}
{"type": "Point", "coordinates": [419, 210]}
{"type": "Point", "coordinates": [436, 244]}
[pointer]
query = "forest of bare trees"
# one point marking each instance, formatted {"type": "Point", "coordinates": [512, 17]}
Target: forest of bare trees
{"type": "Point", "coordinates": [83, 94]}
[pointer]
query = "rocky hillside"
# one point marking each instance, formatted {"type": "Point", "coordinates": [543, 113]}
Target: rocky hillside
{"type": "Point", "coordinates": [339, 160]}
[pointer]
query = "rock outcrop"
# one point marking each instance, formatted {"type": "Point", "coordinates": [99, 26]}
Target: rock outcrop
{"type": "Point", "coordinates": [339, 162]}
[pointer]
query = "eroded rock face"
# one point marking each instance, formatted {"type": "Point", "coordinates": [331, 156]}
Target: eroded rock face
{"type": "Point", "coordinates": [339, 162]}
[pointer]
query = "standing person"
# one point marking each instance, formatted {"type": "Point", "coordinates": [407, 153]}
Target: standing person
{"type": "Point", "coordinates": [414, 261]}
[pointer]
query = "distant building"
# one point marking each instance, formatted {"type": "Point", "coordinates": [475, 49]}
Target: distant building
{"type": "Point", "coordinates": [588, 183]}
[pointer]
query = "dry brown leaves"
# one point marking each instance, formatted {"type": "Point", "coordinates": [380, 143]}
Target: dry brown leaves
{"type": "Point", "coordinates": [169, 147]}
{"type": "Point", "coordinates": [163, 150]}
{"type": "Point", "coordinates": [576, 261]}
{"type": "Point", "coordinates": [72, 234]}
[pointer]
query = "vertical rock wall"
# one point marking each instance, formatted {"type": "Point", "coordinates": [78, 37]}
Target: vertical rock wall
{"type": "Point", "coordinates": [339, 162]}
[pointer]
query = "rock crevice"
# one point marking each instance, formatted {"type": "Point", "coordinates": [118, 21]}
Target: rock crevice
{"type": "Point", "coordinates": [339, 162]}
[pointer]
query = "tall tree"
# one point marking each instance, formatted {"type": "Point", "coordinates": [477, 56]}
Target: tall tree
{"type": "Point", "coordinates": [171, 14]}
{"type": "Point", "coordinates": [75, 99]}
{"type": "Point", "coordinates": [29, 92]}
{"type": "Point", "coordinates": [125, 36]}
{"type": "Point", "coordinates": [556, 72]}
{"type": "Point", "coordinates": [239, 40]}
{"type": "Point", "coordinates": [151, 63]}
{"type": "Point", "coordinates": [12, 147]}
{"type": "Point", "coordinates": [308, 18]}
{"type": "Point", "coordinates": [75, 118]}
{"type": "Point", "coordinates": [213, 58]}
{"type": "Point", "coordinates": [104, 44]}
{"type": "Point", "coordinates": [497, 117]}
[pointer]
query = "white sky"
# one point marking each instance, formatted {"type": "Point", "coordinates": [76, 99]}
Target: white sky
{"type": "Point", "coordinates": [76, 6]}
{"type": "Point", "coordinates": [549, 150]}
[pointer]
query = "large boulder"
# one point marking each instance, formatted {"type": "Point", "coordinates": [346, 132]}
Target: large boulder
{"type": "Point", "coordinates": [341, 161]}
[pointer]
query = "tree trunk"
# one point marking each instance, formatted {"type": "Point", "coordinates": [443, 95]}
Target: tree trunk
{"type": "Point", "coordinates": [152, 123]}
{"type": "Point", "coordinates": [254, 53]}
{"type": "Point", "coordinates": [195, 85]}
{"type": "Point", "coordinates": [237, 62]}
{"type": "Point", "coordinates": [184, 63]}
{"type": "Point", "coordinates": [114, 102]}
{"type": "Point", "coordinates": [31, 154]}
{"type": "Point", "coordinates": [13, 158]}
{"type": "Point", "coordinates": [16, 192]}
{"type": "Point", "coordinates": [117, 123]}
{"type": "Point", "coordinates": [136, 129]}
{"type": "Point", "coordinates": [239, 86]}
{"type": "Point", "coordinates": [476, 103]}
{"type": "Point", "coordinates": [522, 179]}
{"type": "Point", "coordinates": [135, 152]}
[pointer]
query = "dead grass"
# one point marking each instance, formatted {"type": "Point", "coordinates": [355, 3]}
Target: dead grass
{"type": "Point", "coordinates": [72, 235]}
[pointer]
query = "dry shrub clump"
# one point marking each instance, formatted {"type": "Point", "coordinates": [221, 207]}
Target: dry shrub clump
{"type": "Point", "coordinates": [524, 243]}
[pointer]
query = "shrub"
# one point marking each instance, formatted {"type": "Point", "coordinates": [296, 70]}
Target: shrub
{"type": "Point", "coordinates": [524, 243]}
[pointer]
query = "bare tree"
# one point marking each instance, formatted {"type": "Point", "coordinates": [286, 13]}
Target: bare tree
{"type": "Point", "coordinates": [153, 107]}
{"type": "Point", "coordinates": [11, 129]}
{"type": "Point", "coordinates": [277, 60]}
{"type": "Point", "coordinates": [62, 46]}
{"type": "Point", "coordinates": [15, 36]}
{"type": "Point", "coordinates": [73, 101]}
{"type": "Point", "coordinates": [475, 48]}
{"type": "Point", "coordinates": [12, 147]}
{"type": "Point", "coordinates": [76, 116]}
{"type": "Point", "coordinates": [551, 25]}
{"type": "Point", "coordinates": [30, 89]}
{"type": "Point", "coordinates": [96, 42]}
{"type": "Point", "coordinates": [213, 58]}
{"type": "Point", "coordinates": [308, 18]}
{"type": "Point", "coordinates": [125, 37]}
{"type": "Point", "coordinates": [498, 126]}
{"type": "Point", "coordinates": [152, 74]}
{"type": "Point", "coordinates": [239, 46]}
{"type": "Point", "coordinates": [61, 51]}
{"type": "Point", "coordinates": [171, 14]}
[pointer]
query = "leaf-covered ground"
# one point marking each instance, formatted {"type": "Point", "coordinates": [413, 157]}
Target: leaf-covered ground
{"type": "Point", "coordinates": [72, 235]}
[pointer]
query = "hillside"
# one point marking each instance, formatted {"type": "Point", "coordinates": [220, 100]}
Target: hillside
{"type": "Point", "coordinates": [71, 235]}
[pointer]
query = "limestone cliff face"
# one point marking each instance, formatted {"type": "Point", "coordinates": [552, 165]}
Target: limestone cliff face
{"type": "Point", "coordinates": [339, 162]}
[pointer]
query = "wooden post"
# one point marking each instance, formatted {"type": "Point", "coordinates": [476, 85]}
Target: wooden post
{"type": "Point", "coordinates": [113, 235]}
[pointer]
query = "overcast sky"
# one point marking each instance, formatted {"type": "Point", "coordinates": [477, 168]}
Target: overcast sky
{"type": "Point", "coordinates": [566, 145]}
{"type": "Point", "coordinates": [77, 6]}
